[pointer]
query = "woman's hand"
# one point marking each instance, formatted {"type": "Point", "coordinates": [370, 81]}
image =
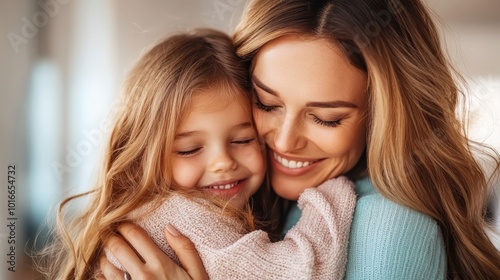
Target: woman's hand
{"type": "Point", "coordinates": [156, 264]}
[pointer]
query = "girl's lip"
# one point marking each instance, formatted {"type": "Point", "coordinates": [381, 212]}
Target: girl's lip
{"type": "Point", "coordinates": [222, 182]}
{"type": "Point", "coordinates": [278, 167]}
{"type": "Point", "coordinates": [234, 190]}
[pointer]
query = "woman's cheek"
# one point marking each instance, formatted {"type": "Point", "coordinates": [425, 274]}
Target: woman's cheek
{"type": "Point", "coordinates": [260, 121]}
{"type": "Point", "coordinates": [253, 157]}
{"type": "Point", "coordinates": [338, 141]}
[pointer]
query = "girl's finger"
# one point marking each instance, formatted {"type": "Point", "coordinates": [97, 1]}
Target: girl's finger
{"type": "Point", "coordinates": [186, 252]}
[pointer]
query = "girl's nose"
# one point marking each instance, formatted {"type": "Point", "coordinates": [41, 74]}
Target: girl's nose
{"type": "Point", "coordinates": [222, 162]}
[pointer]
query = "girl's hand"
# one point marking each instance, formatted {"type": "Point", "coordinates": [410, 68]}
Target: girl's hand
{"type": "Point", "coordinates": [156, 264]}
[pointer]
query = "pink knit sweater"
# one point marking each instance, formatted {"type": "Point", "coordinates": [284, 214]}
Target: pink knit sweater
{"type": "Point", "coordinates": [315, 248]}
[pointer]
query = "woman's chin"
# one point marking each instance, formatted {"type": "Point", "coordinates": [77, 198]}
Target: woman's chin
{"type": "Point", "coordinates": [288, 189]}
{"type": "Point", "coordinates": [291, 187]}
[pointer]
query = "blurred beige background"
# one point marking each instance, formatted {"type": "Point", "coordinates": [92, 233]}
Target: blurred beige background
{"type": "Point", "coordinates": [63, 61]}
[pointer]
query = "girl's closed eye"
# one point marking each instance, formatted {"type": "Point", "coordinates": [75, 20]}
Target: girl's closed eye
{"type": "Point", "coordinates": [243, 141]}
{"type": "Point", "coordinates": [188, 152]}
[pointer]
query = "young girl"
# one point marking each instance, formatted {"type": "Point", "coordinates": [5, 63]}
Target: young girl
{"type": "Point", "coordinates": [184, 153]}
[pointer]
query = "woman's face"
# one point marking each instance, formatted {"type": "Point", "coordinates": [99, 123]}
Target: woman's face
{"type": "Point", "coordinates": [311, 109]}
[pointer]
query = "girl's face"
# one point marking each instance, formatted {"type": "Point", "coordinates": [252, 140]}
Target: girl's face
{"type": "Point", "coordinates": [216, 148]}
{"type": "Point", "coordinates": [311, 109]}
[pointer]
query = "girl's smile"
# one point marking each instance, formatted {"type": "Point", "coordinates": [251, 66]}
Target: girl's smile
{"type": "Point", "coordinates": [226, 188]}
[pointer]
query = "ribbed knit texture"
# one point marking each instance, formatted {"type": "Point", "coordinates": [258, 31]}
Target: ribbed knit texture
{"type": "Point", "coordinates": [390, 241]}
{"type": "Point", "coordinates": [315, 248]}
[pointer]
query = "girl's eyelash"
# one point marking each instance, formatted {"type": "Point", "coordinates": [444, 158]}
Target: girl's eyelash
{"type": "Point", "coordinates": [196, 150]}
{"type": "Point", "coordinates": [262, 106]}
{"type": "Point", "coordinates": [188, 153]}
{"type": "Point", "coordinates": [243, 142]}
{"type": "Point", "coordinates": [327, 123]}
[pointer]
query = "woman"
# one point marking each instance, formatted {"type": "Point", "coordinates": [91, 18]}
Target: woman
{"type": "Point", "coordinates": [343, 84]}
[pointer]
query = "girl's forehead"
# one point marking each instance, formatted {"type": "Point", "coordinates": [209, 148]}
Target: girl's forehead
{"type": "Point", "coordinates": [211, 111]}
{"type": "Point", "coordinates": [216, 99]}
{"type": "Point", "coordinates": [214, 96]}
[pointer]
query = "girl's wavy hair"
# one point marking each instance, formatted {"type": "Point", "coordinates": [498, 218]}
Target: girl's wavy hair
{"type": "Point", "coordinates": [418, 154]}
{"type": "Point", "coordinates": [157, 95]}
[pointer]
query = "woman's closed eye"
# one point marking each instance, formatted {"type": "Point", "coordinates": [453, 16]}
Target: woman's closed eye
{"type": "Point", "coordinates": [333, 123]}
{"type": "Point", "coordinates": [262, 106]}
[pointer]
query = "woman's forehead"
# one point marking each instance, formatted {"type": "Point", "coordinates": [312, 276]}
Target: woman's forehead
{"type": "Point", "coordinates": [308, 66]}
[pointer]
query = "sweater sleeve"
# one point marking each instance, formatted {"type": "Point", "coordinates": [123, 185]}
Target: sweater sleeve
{"type": "Point", "coordinates": [315, 248]}
{"type": "Point", "coordinates": [390, 241]}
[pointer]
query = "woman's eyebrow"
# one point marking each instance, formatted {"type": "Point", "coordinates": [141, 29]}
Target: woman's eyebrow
{"type": "Point", "coordinates": [263, 87]}
{"type": "Point", "coordinates": [331, 104]}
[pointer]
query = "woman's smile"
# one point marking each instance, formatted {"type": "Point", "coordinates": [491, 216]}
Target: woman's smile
{"type": "Point", "coordinates": [292, 166]}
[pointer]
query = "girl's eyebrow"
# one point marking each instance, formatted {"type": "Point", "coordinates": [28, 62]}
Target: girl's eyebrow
{"type": "Point", "coordinates": [243, 125]}
{"type": "Point", "coordinates": [326, 104]}
{"type": "Point", "coordinates": [186, 134]}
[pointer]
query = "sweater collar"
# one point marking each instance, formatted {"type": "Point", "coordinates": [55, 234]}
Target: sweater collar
{"type": "Point", "coordinates": [364, 187]}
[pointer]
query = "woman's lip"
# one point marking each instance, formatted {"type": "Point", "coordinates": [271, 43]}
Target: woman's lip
{"type": "Point", "coordinates": [294, 158]}
{"type": "Point", "coordinates": [278, 167]}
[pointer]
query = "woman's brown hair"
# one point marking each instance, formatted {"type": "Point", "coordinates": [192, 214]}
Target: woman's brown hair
{"type": "Point", "coordinates": [418, 154]}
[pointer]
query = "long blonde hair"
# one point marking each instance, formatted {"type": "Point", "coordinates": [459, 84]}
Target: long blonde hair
{"type": "Point", "coordinates": [157, 95]}
{"type": "Point", "coordinates": [418, 154]}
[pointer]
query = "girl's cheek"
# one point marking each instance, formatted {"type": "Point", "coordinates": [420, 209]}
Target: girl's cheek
{"type": "Point", "coordinates": [183, 174]}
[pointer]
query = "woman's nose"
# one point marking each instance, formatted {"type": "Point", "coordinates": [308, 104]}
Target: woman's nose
{"type": "Point", "coordinates": [288, 136]}
{"type": "Point", "coordinates": [222, 161]}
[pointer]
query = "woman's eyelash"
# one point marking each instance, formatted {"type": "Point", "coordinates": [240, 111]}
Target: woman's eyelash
{"type": "Point", "coordinates": [188, 153]}
{"type": "Point", "coordinates": [266, 108]}
{"type": "Point", "coordinates": [262, 106]}
{"type": "Point", "coordinates": [327, 123]}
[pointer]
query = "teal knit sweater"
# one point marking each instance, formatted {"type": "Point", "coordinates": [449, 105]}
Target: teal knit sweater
{"type": "Point", "coordinates": [389, 241]}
